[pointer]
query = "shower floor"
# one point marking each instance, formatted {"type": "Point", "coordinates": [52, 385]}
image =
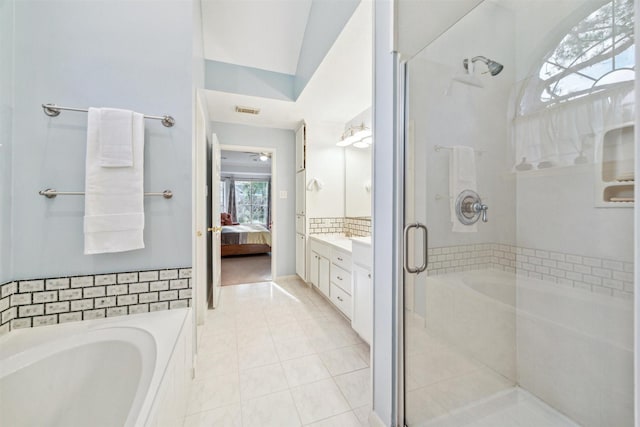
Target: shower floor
{"type": "Point", "coordinates": [445, 387]}
{"type": "Point", "coordinates": [511, 408]}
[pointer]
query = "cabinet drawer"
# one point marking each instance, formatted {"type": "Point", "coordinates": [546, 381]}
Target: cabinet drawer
{"type": "Point", "coordinates": [342, 278]}
{"type": "Point", "coordinates": [341, 259]}
{"type": "Point", "coordinates": [340, 299]}
{"type": "Point", "coordinates": [320, 248]}
{"type": "Point", "coordinates": [300, 224]}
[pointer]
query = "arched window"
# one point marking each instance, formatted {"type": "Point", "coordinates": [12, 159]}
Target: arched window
{"type": "Point", "coordinates": [582, 87]}
{"type": "Point", "coordinates": [596, 53]}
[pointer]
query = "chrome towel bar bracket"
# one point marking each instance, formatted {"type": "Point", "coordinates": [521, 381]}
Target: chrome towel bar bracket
{"type": "Point", "coordinates": [53, 110]}
{"type": "Point", "coordinates": [51, 193]}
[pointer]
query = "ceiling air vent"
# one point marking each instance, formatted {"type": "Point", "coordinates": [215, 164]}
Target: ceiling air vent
{"type": "Point", "coordinates": [247, 110]}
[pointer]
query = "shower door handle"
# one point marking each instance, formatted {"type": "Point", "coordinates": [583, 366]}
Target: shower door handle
{"type": "Point", "coordinates": [425, 255]}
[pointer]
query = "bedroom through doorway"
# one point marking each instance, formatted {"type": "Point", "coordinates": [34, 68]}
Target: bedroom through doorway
{"type": "Point", "coordinates": [246, 216]}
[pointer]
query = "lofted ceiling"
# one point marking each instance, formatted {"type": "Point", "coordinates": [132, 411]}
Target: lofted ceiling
{"type": "Point", "coordinates": [340, 88]}
{"type": "Point", "coordinates": [264, 34]}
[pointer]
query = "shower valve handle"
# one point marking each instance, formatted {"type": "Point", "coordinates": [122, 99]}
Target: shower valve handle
{"type": "Point", "coordinates": [481, 207]}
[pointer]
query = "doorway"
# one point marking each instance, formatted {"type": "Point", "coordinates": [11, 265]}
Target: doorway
{"type": "Point", "coordinates": [246, 191]}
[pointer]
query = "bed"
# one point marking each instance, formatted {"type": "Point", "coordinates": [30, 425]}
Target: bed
{"type": "Point", "coordinates": [245, 239]}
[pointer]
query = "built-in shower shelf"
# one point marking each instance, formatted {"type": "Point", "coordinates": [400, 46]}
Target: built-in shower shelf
{"type": "Point", "coordinates": [615, 164]}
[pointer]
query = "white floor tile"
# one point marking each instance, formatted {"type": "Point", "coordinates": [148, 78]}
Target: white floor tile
{"type": "Point", "coordinates": [356, 387]}
{"type": "Point", "coordinates": [273, 410]}
{"type": "Point", "coordinates": [343, 360]}
{"type": "Point", "coordinates": [305, 370]}
{"type": "Point", "coordinates": [348, 419]}
{"type": "Point", "coordinates": [213, 392]}
{"type": "Point", "coordinates": [259, 362]}
{"type": "Point", "coordinates": [257, 355]}
{"type": "Point", "coordinates": [363, 414]}
{"type": "Point", "coordinates": [226, 416]}
{"type": "Point", "coordinates": [294, 348]}
{"type": "Point", "coordinates": [261, 381]}
{"type": "Point", "coordinates": [319, 400]}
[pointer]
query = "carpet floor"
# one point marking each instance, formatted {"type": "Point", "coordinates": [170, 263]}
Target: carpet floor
{"type": "Point", "coordinates": [242, 269]}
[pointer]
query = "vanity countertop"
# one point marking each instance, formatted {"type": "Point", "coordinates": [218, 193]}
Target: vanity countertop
{"type": "Point", "coordinates": [341, 241]}
{"type": "Point", "coordinates": [362, 240]}
{"type": "Point", "coordinates": [338, 241]}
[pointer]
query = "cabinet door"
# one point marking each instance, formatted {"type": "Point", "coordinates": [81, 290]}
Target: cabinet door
{"type": "Point", "coordinates": [300, 147]}
{"type": "Point", "coordinates": [301, 246]}
{"type": "Point", "coordinates": [314, 268]}
{"type": "Point", "coordinates": [362, 315]}
{"type": "Point", "coordinates": [323, 275]}
{"type": "Point", "coordinates": [301, 192]}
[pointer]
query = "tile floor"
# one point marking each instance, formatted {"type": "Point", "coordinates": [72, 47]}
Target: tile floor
{"type": "Point", "coordinates": [278, 354]}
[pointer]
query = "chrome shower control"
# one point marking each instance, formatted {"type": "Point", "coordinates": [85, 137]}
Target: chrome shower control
{"type": "Point", "coordinates": [469, 208]}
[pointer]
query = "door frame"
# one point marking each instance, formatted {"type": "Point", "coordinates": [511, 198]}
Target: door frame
{"type": "Point", "coordinates": [274, 190]}
{"type": "Point", "coordinates": [199, 200]}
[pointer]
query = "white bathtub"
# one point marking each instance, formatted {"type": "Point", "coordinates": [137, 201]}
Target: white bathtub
{"type": "Point", "coordinates": [125, 371]}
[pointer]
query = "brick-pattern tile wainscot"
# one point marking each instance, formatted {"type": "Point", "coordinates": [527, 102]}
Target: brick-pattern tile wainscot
{"type": "Point", "coordinates": [598, 275]}
{"type": "Point", "coordinates": [357, 227]}
{"type": "Point", "coordinates": [38, 302]}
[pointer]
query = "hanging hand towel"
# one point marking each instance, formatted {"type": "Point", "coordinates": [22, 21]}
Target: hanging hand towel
{"type": "Point", "coordinates": [115, 134]}
{"type": "Point", "coordinates": [462, 176]}
{"type": "Point", "coordinates": [114, 196]}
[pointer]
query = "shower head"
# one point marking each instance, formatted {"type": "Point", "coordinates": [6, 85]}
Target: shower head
{"type": "Point", "coordinates": [493, 66]}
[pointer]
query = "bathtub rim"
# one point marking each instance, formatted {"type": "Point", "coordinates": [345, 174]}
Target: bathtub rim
{"type": "Point", "coordinates": [165, 327]}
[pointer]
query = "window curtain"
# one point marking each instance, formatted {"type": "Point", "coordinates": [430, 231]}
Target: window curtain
{"type": "Point", "coordinates": [269, 204]}
{"type": "Point", "coordinates": [231, 206]}
{"type": "Point", "coordinates": [559, 133]}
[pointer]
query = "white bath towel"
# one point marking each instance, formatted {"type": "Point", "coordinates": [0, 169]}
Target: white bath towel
{"type": "Point", "coordinates": [115, 135]}
{"type": "Point", "coordinates": [114, 196]}
{"type": "Point", "coordinates": [462, 176]}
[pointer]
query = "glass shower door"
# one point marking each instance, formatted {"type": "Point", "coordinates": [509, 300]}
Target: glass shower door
{"type": "Point", "coordinates": [518, 220]}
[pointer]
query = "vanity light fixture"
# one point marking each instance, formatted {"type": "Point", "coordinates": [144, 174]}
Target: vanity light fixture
{"type": "Point", "coordinates": [364, 142]}
{"type": "Point", "coordinates": [356, 135]}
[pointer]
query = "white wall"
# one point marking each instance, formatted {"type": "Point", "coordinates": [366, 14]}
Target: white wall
{"type": "Point", "coordinates": [133, 55]}
{"type": "Point", "coordinates": [283, 141]}
{"type": "Point", "coordinates": [325, 162]}
{"type": "Point", "coordinates": [6, 138]}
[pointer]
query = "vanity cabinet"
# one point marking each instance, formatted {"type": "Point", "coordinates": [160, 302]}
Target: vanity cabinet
{"type": "Point", "coordinates": [319, 267]}
{"type": "Point", "coordinates": [301, 250]}
{"type": "Point", "coordinates": [362, 284]}
{"type": "Point", "coordinates": [340, 289]}
{"type": "Point", "coordinates": [330, 272]}
{"type": "Point", "coordinates": [301, 227]}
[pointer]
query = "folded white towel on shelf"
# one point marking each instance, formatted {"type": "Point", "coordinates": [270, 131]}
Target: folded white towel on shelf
{"type": "Point", "coordinates": [462, 176]}
{"type": "Point", "coordinates": [114, 196]}
{"type": "Point", "coordinates": [116, 138]}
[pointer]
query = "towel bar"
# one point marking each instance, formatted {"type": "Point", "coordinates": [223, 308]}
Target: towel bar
{"type": "Point", "coordinates": [50, 193]}
{"type": "Point", "coordinates": [53, 110]}
{"type": "Point", "coordinates": [442, 147]}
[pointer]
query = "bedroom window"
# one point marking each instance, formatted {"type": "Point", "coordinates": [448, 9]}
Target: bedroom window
{"type": "Point", "coordinates": [252, 200]}
{"type": "Point", "coordinates": [223, 196]}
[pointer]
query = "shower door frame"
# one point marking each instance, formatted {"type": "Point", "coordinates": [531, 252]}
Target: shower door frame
{"type": "Point", "coordinates": [401, 136]}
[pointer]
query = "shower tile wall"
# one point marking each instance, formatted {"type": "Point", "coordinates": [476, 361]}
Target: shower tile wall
{"type": "Point", "coordinates": [39, 302]}
{"type": "Point", "coordinates": [599, 275]}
